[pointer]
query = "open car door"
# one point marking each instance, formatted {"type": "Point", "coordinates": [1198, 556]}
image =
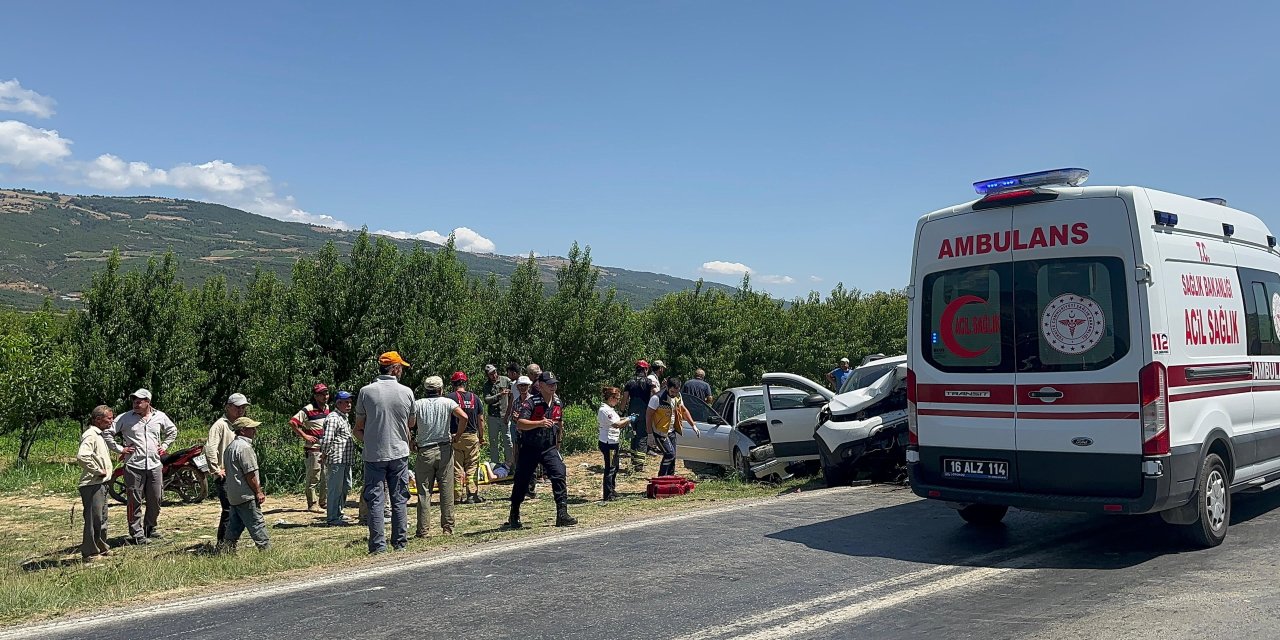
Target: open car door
{"type": "Point", "coordinates": [791, 408]}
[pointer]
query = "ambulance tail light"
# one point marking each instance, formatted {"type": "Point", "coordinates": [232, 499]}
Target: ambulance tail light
{"type": "Point", "coordinates": [1153, 391]}
{"type": "Point", "coordinates": [913, 420]}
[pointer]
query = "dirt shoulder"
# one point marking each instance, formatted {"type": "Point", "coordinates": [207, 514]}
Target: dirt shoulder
{"type": "Point", "coordinates": [44, 577]}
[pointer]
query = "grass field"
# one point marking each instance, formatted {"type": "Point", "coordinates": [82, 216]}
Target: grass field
{"type": "Point", "coordinates": [40, 523]}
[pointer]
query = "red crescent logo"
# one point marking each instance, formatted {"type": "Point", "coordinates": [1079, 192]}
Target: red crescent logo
{"type": "Point", "coordinates": [948, 322]}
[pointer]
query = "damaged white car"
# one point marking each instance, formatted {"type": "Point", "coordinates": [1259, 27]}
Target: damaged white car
{"type": "Point", "coordinates": [863, 432]}
{"type": "Point", "coordinates": [756, 431]}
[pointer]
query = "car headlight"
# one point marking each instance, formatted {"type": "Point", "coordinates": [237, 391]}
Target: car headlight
{"type": "Point", "coordinates": [824, 415]}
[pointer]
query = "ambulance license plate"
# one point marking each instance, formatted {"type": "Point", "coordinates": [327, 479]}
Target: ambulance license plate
{"type": "Point", "coordinates": [975, 469]}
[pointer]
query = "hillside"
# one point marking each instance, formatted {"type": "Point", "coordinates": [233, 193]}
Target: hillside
{"type": "Point", "coordinates": [51, 244]}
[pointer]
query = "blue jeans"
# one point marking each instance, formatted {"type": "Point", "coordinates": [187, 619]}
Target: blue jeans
{"type": "Point", "coordinates": [668, 465]}
{"type": "Point", "coordinates": [339, 482]}
{"type": "Point", "coordinates": [396, 474]}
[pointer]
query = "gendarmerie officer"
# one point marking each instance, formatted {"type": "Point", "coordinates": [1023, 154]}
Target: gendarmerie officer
{"type": "Point", "coordinates": [540, 426]}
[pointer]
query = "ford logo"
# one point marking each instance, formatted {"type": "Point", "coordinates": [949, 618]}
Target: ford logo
{"type": "Point", "coordinates": [1082, 442]}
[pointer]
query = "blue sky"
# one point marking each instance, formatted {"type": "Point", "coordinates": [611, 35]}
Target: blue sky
{"type": "Point", "coordinates": [798, 139]}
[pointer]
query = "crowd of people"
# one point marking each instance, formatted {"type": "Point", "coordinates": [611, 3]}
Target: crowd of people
{"type": "Point", "coordinates": [519, 416]}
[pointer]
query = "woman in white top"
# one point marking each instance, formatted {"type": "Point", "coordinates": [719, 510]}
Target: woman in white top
{"type": "Point", "coordinates": [610, 427]}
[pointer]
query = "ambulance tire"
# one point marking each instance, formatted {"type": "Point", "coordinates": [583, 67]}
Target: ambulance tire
{"type": "Point", "coordinates": [1213, 504]}
{"type": "Point", "coordinates": [983, 515]}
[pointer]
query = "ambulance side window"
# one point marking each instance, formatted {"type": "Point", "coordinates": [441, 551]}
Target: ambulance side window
{"type": "Point", "coordinates": [1262, 311]}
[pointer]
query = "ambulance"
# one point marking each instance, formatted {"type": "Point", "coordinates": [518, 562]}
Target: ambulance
{"type": "Point", "coordinates": [1093, 349]}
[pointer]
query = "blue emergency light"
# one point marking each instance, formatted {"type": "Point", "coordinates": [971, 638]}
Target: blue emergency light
{"type": "Point", "coordinates": [1058, 177]}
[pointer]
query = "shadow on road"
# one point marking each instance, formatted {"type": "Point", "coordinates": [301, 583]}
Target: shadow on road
{"type": "Point", "coordinates": [929, 532]}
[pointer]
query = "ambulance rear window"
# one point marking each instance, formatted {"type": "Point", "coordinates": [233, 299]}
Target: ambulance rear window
{"type": "Point", "coordinates": [967, 326]}
{"type": "Point", "coordinates": [1071, 314]}
{"type": "Point", "coordinates": [1065, 314]}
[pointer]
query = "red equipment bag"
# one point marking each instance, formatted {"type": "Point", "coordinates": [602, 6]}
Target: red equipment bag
{"type": "Point", "coordinates": [667, 486]}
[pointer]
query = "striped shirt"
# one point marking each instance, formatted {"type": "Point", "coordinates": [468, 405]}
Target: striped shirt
{"type": "Point", "coordinates": [336, 443]}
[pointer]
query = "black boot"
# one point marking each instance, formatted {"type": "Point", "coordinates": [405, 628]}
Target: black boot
{"type": "Point", "coordinates": [513, 520]}
{"type": "Point", "coordinates": [563, 519]}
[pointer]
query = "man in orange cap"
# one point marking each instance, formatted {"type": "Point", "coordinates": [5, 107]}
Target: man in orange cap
{"type": "Point", "coordinates": [384, 416]}
{"type": "Point", "coordinates": [308, 424]}
{"type": "Point", "coordinates": [467, 441]}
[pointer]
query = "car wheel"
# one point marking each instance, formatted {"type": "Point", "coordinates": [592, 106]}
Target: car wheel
{"type": "Point", "coordinates": [117, 491]}
{"type": "Point", "coordinates": [983, 515]}
{"type": "Point", "coordinates": [1213, 504]}
{"type": "Point", "coordinates": [190, 485]}
{"type": "Point", "coordinates": [742, 467]}
{"type": "Point", "coordinates": [835, 474]}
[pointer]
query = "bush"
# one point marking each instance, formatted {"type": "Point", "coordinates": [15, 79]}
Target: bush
{"type": "Point", "coordinates": [280, 460]}
{"type": "Point", "coordinates": [581, 430]}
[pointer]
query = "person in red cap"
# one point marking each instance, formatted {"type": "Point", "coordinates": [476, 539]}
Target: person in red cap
{"type": "Point", "coordinates": [467, 442]}
{"type": "Point", "coordinates": [308, 423]}
{"type": "Point", "coordinates": [635, 397]}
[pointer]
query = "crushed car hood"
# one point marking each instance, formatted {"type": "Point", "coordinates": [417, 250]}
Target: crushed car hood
{"type": "Point", "coordinates": [860, 399]}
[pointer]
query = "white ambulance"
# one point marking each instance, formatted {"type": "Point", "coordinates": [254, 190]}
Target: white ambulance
{"type": "Point", "coordinates": [1093, 349]}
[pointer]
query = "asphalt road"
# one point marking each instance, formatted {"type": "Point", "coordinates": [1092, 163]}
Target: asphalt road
{"type": "Point", "coordinates": [868, 562]}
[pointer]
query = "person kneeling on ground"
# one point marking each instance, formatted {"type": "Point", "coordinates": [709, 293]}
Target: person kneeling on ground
{"type": "Point", "coordinates": [244, 491]}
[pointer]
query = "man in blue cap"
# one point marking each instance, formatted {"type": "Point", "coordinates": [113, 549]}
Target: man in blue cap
{"type": "Point", "coordinates": [337, 452]}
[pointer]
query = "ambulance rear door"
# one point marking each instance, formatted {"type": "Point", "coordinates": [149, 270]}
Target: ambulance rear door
{"type": "Point", "coordinates": [1077, 350]}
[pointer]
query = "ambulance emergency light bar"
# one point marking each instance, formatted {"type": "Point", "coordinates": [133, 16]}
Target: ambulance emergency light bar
{"type": "Point", "coordinates": [1058, 177]}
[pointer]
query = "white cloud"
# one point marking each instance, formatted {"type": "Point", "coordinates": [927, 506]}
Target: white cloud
{"type": "Point", "coordinates": [110, 172]}
{"type": "Point", "coordinates": [464, 239]}
{"type": "Point", "coordinates": [815, 279]}
{"type": "Point", "coordinates": [737, 269]}
{"type": "Point", "coordinates": [722, 268]}
{"type": "Point", "coordinates": [246, 187]}
{"type": "Point", "coordinates": [23, 145]}
{"type": "Point", "coordinates": [19, 100]}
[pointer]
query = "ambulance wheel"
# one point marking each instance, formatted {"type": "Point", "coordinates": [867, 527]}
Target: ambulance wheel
{"type": "Point", "coordinates": [1213, 504]}
{"type": "Point", "coordinates": [983, 515]}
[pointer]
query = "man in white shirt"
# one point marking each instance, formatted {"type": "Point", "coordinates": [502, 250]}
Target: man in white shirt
{"type": "Point", "coordinates": [147, 434]}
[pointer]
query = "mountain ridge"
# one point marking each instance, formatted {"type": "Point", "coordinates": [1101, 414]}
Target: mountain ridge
{"type": "Point", "coordinates": [52, 243]}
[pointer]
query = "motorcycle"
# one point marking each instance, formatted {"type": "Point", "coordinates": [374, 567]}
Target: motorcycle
{"type": "Point", "coordinates": [184, 473]}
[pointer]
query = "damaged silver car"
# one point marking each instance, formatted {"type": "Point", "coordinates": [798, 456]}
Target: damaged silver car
{"type": "Point", "coordinates": [744, 427]}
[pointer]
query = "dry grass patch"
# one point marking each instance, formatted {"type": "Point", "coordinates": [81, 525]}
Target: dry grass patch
{"type": "Point", "coordinates": [43, 576]}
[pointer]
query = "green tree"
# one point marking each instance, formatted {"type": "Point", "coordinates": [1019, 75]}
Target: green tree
{"type": "Point", "coordinates": [36, 376]}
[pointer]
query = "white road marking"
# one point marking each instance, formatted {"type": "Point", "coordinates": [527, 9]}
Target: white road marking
{"type": "Point", "coordinates": [204, 603]}
{"type": "Point", "coordinates": [934, 580]}
{"type": "Point", "coordinates": [859, 609]}
{"type": "Point", "coordinates": [782, 613]}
